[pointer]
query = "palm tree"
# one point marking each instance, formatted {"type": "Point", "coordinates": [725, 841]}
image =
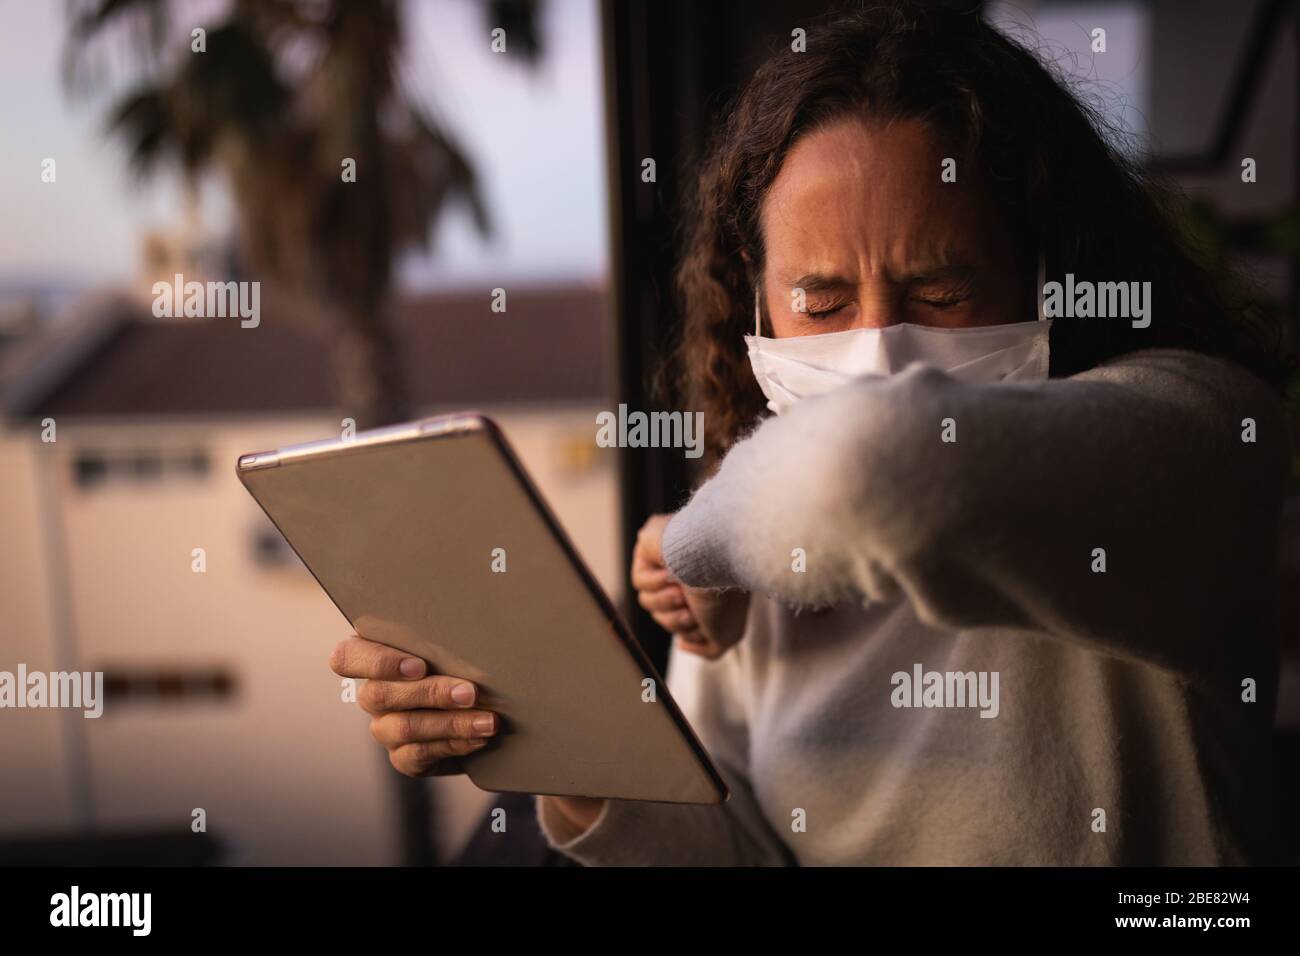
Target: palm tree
{"type": "Point", "coordinates": [284, 92]}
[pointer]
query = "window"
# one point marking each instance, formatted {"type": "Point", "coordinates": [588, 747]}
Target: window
{"type": "Point", "coordinates": [92, 468]}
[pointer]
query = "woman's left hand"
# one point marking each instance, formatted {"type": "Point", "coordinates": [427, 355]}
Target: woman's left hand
{"type": "Point", "coordinates": [704, 621]}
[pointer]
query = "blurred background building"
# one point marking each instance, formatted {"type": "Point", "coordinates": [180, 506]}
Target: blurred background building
{"type": "Point", "coordinates": [219, 694]}
{"type": "Point", "coordinates": [476, 170]}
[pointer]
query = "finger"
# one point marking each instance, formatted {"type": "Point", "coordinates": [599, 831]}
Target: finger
{"type": "Point", "coordinates": [420, 760]}
{"type": "Point", "coordinates": [700, 648]}
{"type": "Point", "coordinates": [664, 599]}
{"type": "Point", "coordinates": [357, 657]}
{"type": "Point", "coordinates": [677, 621]}
{"type": "Point", "coordinates": [647, 578]}
{"type": "Point", "coordinates": [398, 728]}
{"type": "Point", "coordinates": [649, 539]}
{"type": "Point", "coordinates": [438, 692]}
{"type": "Point", "coordinates": [642, 563]}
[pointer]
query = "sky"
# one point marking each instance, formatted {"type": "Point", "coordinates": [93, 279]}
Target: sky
{"type": "Point", "coordinates": [536, 137]}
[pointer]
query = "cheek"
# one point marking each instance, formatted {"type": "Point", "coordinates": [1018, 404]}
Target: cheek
{"type": "Point", "coordinates": [784, 325]}
{"type": "Point", "coordinates": [1007, 299]}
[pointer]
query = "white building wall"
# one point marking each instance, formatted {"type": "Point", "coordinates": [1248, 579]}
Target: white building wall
{"type": "Point", "coordinates": [285, 771]}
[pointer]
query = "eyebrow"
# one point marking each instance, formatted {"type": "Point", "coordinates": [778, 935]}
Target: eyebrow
{"type": "Point", "coordinates": [939, 272]}
{"type": "Point", "coordinates": [816, 282]}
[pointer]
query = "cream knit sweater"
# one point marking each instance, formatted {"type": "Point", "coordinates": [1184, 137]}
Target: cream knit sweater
{"type": "Point", "coordinates": [1092, 716]}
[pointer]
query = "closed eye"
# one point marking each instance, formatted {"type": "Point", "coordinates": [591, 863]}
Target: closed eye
{"type": "Point", "coordinates": [941, 301]}
{"type": "Point", "coordinates": [821, 314]}
{"type": "Point", "coordinates": [941, 292]}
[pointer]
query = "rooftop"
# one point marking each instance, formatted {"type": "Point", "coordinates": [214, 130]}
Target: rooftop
{"type": "Point", "coordinates": [551, 344]}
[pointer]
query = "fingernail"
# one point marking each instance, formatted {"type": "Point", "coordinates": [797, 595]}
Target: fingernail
{"type": "Point", "coordinates": [463, 693]}
{"type": "Point", "coordinates": [484, 724]}
{"type": "Point", "coordinates": [478, 743]}
{"type": "Point", "coordinates": [411, 667]}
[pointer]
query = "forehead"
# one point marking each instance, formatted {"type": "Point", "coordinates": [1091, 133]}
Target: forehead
{"type": "Point", "coordinates": [871, 193]}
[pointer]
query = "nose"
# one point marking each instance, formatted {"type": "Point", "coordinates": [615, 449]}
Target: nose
{"type": "Point", "coordinates": [879, 305]}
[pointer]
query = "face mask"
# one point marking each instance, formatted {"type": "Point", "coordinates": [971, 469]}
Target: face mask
{"type": "Point", "coordinates": [805, 365]}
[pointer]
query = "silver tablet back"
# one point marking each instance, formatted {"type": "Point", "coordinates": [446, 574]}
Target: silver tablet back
{"type": "Point", "coordinates": [407, 530]}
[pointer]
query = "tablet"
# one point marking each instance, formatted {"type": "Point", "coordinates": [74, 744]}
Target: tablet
{"type": "Point", "coordinates": [431, 538]}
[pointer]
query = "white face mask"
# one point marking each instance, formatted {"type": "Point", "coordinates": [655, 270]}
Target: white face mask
{"type": "Point", "coordinates": [801, 366]}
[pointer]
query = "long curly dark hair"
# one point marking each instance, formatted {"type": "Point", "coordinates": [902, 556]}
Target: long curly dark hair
{"type": "Point", "coordinates": [1064, 188]}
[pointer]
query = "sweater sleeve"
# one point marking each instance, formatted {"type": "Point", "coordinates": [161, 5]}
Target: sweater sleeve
{"type": "Point", "coordinates": [1115, 508]}
{"type": "Point", "coordinates": [638, 833]}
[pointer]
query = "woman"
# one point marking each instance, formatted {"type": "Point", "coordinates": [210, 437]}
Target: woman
{"type": "Point", "coordinates": [1010, 603]}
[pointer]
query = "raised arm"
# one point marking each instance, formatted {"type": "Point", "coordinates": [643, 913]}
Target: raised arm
{"type": "Point", "coordinates": [1117, 507]}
